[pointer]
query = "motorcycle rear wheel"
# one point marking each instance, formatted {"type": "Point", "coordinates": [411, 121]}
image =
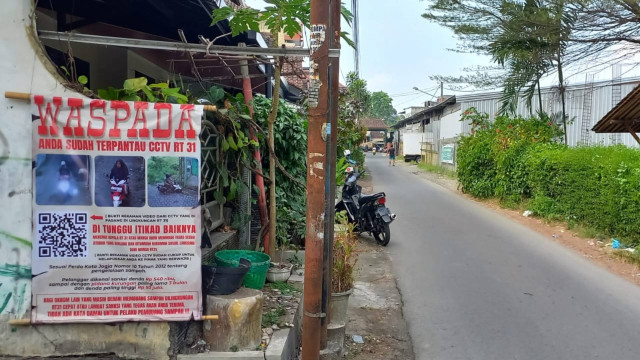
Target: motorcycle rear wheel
{"type": "Point", "coordinates": [383, 233]}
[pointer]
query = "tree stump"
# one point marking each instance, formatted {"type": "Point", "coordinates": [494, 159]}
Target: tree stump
{"type": "Point", "coordinates": [240, 320]}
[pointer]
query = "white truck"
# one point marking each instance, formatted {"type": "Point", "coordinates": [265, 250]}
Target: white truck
{"type": "Point", "coordinates": [412, 146]}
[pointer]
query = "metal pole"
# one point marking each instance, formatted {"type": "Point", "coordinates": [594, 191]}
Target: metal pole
{"type": "Point", "coordinates": [441, 89]}
{"type": "Point", "coordinates": [269, 86]}
{"type": "Point", "coordinates": [330, 183]}
{"type": "Point", "coordinates": [356, 36]}
{"type": "Point", "coordinates": [173, 46]}
{"type": "Point", "coordinates": [315, 236]}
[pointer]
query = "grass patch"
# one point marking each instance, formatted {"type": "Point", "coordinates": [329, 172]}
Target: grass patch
{"type": "Point", "coordinates": [631, 258]}
{"type": "Point", "coordinates": [400, 158]}
{"type": "Point", "coordinates": [437, 169]}
{"type": "Point", "coordinates": [585, 231]}
{"type": "Point", "coordinates": [283, 287]}
{"type": "Point", "coordinates": [272, 317]}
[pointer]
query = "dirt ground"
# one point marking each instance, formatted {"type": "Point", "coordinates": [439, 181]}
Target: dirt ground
{"type": "Point", "coordinates": [375, 307]}
{"type": "Point", "coordinates": [592, 249]}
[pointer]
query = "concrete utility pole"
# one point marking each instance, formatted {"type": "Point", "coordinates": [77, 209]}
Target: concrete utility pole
{"type": "Point", "coordinates": [316, 177]}
{"type": "Point", "coordinates": [332, 144]}
{"type": "Point", "coordinates": [356, 36]}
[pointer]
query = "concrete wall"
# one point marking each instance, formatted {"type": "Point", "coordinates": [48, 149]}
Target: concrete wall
{"type": "Point", "coordinates": [25, 68]}
{"type": "Point", "coordinates": [106, 63]}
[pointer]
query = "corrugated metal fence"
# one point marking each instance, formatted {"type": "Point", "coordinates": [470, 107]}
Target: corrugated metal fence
{"type": "Point", "coordinates": [601, 102]}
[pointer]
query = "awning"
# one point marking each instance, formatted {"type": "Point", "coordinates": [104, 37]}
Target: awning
{"type": "Point", "coordinates": [624, 117]}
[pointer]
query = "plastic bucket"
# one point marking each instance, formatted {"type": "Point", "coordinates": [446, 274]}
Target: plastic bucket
{"type": "Point", "coordinates": [257, 274]}
{"type": "Point", "coordinates": [208, 273]}
{"type": "Point", "coordinates": [228, 280]}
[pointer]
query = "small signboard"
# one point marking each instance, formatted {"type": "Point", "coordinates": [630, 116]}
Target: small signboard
{"type": "Point", "coordinates": [447, 154]}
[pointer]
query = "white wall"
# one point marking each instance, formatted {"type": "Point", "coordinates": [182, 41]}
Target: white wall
{"type": "Point", "coordinates": [450, 125]}
{"type": "Point", "coordinates": [23, 68]}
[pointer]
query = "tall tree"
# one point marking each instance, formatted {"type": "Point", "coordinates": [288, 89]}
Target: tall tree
{"type": "Point", "coordinates": [382, 108]}
{"type": "Point", "coordinates": [524, 51]}
{"type": "Point", "coordinates": [528, 38]}
{"type": "Point", "coordinates": [357, 99]}
{"type": "Point", "coordinates": [602, 27]}
{"type": "Point", "coordinates": [602, 32]}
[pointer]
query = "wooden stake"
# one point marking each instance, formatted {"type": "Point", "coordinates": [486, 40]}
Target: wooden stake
{"type": "Point", "coordinates": [633, 133]}
{"type": "Point", "coordinates": [27, 97]}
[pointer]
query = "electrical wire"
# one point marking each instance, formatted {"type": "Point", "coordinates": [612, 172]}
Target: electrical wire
{"type": "Point", "coordinates": [433, 96]}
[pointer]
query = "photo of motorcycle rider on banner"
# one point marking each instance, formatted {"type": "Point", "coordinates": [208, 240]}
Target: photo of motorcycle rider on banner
{"type": "Point", "coordinates": [62, 179]}
{"type": "Point", "coordinates": [120, 181]}
{"type": "Point", "coordinates": [172, 181]}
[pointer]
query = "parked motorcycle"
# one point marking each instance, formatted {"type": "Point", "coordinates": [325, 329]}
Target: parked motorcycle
{"type": "Point", "coordinates": [118, 191]}
{"type": "Point", "coordinates": [167, 189]}
{"type": "Point", "coordinates": [367, 212]}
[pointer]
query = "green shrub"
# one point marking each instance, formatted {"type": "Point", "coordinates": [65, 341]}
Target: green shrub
{"type": "Point", "coordinates": [290, 146]}
{"type": "Point", "coordinates": [519, 161]}
{"type": "Point", "coordinates": [491, 159]}
{"type": "Point", "coordinates": [594, 186]}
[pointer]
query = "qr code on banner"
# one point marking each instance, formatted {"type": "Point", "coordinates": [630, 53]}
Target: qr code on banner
{"type": "Point", "coordinates": [62, 235]}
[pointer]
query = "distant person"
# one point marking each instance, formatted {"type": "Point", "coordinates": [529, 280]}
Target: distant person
{"type": "Point", "coordinates": [120, 172]}
{"type": "Point", "coordinates": [392, 155]}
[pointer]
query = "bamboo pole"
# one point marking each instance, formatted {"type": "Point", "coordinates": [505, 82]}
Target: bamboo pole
{"type": "Point", "coordinates": [25, 322]}
{"type": "Point", "coordinates": [20, 322]}
{"type": "Point", "coordinates": [17, 95]}
{"type": "Point", "coordinates": [27, 97]}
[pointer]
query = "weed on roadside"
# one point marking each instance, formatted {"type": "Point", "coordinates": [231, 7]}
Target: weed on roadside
{"type": "Point", "coordinates": [629, 257]}
{"type": "Point", "coordinates": [436, 169]}
{"type": "Point", "coordinates": [586, 232]}
{"type": "Point", "coordinates": [272, 317]}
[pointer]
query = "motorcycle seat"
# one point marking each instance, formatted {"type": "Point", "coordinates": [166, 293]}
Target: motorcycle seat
{"type": "Point", "coordinates": [366, 198]}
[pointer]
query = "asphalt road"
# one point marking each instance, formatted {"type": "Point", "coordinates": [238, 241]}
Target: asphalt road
{"type": "Point", "coordinates": [476, 285]}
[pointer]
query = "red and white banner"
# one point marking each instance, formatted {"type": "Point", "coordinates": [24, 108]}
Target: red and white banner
{"type": "Point", "coordinates": [116, 213]}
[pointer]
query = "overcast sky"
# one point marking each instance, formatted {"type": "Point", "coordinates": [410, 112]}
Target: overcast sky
{"type": "Point", "coordinates": [399, 50]}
